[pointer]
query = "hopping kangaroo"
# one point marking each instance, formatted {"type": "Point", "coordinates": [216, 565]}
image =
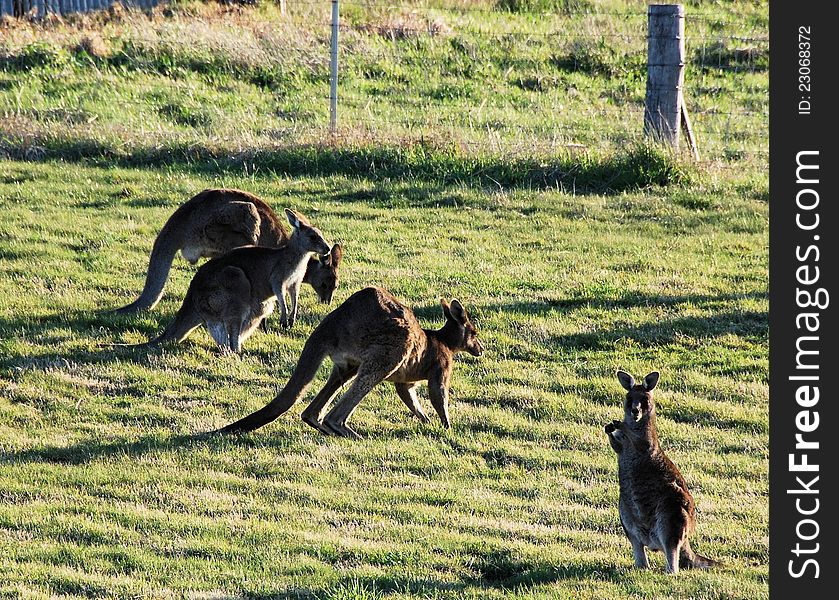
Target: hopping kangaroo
{"type": "Point", "coordinates": [372, 337]}
{"type": "Point", "coordinates": [212, 223]}
{"type": "Point", "coordinates": [655, 506]}
{"type": "Point", "coordinates": [232, 294]}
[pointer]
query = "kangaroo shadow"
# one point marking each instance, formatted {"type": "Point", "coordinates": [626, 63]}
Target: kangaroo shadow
{"type": "Point", "coordinates": [629, 300]}
{"type": "Point", "coordinates": [750, 324]}
{"type": "Point", "coordinates": [519, 575]}
{"type": "Point", "coordinates": [90, 450]}
{"type": "Point", "coordinates": [51, 331]}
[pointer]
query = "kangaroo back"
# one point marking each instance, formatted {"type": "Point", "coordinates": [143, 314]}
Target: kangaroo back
{"type": "Point", "coordinates": [314, 351]}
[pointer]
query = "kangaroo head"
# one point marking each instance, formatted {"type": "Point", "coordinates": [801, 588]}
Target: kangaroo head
{"type": "Point", "coordinates": [639, 405]}
{"type": "Point", "coordinates": [307, 235]}
{"type": "Point", "coordinates": [461, 332]}
{"type": "Point", "coordinates": [322, 273]}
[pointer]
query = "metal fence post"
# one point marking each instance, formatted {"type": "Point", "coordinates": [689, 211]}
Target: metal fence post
{"type": "Point", "coordinates": [665, 73]}
{"type": "Point", "coordinates": [333, 72]}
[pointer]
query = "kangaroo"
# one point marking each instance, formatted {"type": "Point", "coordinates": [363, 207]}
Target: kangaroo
{"type": "Point", "coordinates": [209, 225]}
{"type": "Point", "coordinates": [233, 293]}
{"type": "Point", "coordinates": [656, 509]}
{"type": "Point", "coordinates": [372, 337]}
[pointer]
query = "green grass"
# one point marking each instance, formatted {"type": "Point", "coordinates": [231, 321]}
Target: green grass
{"type": "Point", "coordinates": [105, 487]}
{"type": "Point", "coordinates": [458, 87]}
{"type": "Point", "coordinates": [573, 262]}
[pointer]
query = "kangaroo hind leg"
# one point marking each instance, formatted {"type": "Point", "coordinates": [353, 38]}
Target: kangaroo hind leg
{"type": "Point", "coordinates": [639, 554]}
{"type": "Point", "coordinates": [672, 539]}
{"type": "Point", "coordinates": [314, 413]}
{"type": "Point", "coordinates": [368, 377]}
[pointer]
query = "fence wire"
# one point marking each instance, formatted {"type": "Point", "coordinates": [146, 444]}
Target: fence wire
{"type": "Point", "coordinates": [41, 8]}
{"type": "Point", "coordinates": [726, 86]}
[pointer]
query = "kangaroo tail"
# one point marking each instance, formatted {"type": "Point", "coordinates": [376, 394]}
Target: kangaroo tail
{"type": "Point", "coordinates": [141, 346]}
{"type": "Point", "coordinates": [186, 320]}
{"type": "Point", "coordinates": [302, 376]}
{"type": "Point", "coordinates": [166, 245]}
{"type": "Point", "coordinates": [689, 559]}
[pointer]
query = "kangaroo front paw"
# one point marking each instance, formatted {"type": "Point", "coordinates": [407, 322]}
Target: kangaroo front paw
{"type": "Point", "coordinates": [613, 426]}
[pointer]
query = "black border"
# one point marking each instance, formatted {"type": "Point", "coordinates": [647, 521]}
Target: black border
{"type": "Point", "coordinates": [791, 133]}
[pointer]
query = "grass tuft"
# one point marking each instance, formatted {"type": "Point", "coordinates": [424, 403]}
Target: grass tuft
{"type": "Point", "coordinates": [597, 57]}
{"type": "Point", "coordinates": [539, 6]}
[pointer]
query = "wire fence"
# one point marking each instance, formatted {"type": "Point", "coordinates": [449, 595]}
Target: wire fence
{"type": "Point", "coordinates": [726, 87]}
{"type": "Point", "coordinates": [40, 8]}
{"type": "Point", "coordinates": [390, 90]}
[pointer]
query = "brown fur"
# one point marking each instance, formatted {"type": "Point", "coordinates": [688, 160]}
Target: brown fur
{"type": "Point", "coordinates": [372, 337]}
{"type": "Point", "coordinates": [656, 509]}
{"type": "Point", "coordinates": [211, 224]}
{"type": "Point", "coordinates": [233, 293]}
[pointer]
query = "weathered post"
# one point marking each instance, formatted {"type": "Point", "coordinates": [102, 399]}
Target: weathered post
{"type": "Point", "coordinates": [665, 73]}
{"type": "Point", "coordinates": [333, 72]}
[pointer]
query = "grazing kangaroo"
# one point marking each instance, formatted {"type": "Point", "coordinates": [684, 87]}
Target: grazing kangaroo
{"type": "Point", "coordinates": [372, 337]}
{"type": "Point", "coordinates": [233, 293]}
{"type": "Point", "coordinates": [209, 225]}
{"type": "Point", "coordinates": [655, 506]}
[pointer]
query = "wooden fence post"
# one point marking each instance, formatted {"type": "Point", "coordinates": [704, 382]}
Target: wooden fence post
{"type": "Point", "coordinates": [333, 72]}
{"type": "Point", "coordinates": [665, 73]}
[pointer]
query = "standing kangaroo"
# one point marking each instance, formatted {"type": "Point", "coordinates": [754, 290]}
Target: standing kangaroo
{"type": "Point", "coordinates": [233, 293]}
{"type": "Point", "coordinates": [655, 506]}
{"type": "Point", "coordinates": [212, 223]}
{"type": "Point", "coordinates": [372, 337]}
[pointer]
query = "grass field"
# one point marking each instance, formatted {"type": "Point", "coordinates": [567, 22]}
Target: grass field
{"type": "Point", "coordinates": [572, 264]}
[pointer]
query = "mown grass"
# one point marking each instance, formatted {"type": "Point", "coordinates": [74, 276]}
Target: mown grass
{"type": "Point", "coordinates": [107, 491]}
{"type": "Point", "coordinates": [572, 261]}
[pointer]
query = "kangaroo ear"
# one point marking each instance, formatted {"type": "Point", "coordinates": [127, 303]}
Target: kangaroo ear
{"type": "Point", "coordinates": [458, 312]}
{"type": "Point", "coordinates": [337, 253]}
{"type": "Point", "coordinates": [292, 217]}
{"type": "Point", "coordinates": [447, 311]}
{"type": "Point", "coordinates": [626, 380]}
{"type": "Point", "coordinates": [650, 381]}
